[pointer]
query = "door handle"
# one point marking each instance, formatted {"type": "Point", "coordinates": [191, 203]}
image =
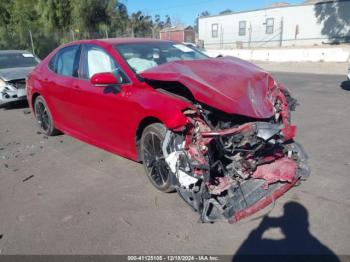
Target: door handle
{"type": "Point", "coordinates": [76, 86]}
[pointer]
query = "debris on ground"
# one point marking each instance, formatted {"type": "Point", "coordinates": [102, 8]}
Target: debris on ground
{"type": "Point", "coordinates": [26, 179]}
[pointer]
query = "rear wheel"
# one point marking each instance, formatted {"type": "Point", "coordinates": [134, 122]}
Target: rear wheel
{"type": "Point", "coordinates": [156, 168]}
{"type": "Point", "coordinates": [44, 118]}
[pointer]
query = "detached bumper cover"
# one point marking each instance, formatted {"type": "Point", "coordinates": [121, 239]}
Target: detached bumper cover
{"type": "Point", "coordinates": [280, 189]}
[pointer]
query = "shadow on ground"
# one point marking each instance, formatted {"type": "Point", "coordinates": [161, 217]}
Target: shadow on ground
{"type": "Point", "coordinates": [297, 241]}
{"type": "Point", "coordinates": [345, 85]}
{"type": "Point", "coordinates": [15, 105]}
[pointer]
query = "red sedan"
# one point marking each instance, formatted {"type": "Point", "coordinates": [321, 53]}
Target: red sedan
{"type": "Point", "coordinates": [216, 130]}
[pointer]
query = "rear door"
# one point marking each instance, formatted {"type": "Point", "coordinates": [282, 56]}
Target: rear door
{"type": "Point", "coordinates": [61, 81]}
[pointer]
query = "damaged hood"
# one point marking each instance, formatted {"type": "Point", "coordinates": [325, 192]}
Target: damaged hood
{"type": "Point", "coordinates": [9, 74]}
{"type": "Point", "coordinates": [229, 84]}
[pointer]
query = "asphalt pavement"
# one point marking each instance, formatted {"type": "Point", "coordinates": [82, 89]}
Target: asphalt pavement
{"type": "Point", "coordinates": [61, 196]}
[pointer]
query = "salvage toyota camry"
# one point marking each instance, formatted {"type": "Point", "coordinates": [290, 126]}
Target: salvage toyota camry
{"type": "Point", "coordinates": [216, 130]}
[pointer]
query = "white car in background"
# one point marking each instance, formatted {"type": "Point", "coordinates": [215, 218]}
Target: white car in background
{"type": "Point", "coordinates": [202, 50]}
{"type": "Point", "coordinates": [15, 65]}
{"type": "Point", "coordinates": [349, 70]}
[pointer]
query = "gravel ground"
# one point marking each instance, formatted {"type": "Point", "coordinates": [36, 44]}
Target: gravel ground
{"type": "Point", "coordinates": [61, 196]}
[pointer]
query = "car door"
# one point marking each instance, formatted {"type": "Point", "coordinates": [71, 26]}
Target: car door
{"type": "Point", "coordinates": [60, 82]}
{"type": "Point", "coordinates": [101, 111]}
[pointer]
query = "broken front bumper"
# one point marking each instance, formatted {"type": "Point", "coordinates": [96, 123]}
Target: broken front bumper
{"type": "Point", "coordinates": [244, 200]}
{"type": "Point", "coordinates": [10, 94]}
{"type": "Point", "coordinates": [231, 199]}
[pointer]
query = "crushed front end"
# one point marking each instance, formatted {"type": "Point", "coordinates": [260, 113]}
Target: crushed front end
{"type": "Point", "coordinates": [228, 167]}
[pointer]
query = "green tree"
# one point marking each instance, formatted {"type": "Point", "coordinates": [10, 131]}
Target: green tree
{"type": "Point", "coordinates": [23, 18]}
{"type": "Point", "coordinates": [53, 22]}
{"type": "Point", "coordinates": [140, 24]}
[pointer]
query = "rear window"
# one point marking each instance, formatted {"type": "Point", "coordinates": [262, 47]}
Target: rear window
{"type": "Point", "coordinates": [13, 60]}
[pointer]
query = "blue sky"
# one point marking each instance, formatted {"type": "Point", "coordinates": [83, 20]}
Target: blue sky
{"type": "Point", "coordinates": [185, 11]}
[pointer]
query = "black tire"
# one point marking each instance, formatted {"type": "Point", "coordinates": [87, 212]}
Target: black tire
{"type": "Point", "coordinates": [157, 170]}
{"type": "Point", "coordinates": [44, 118]}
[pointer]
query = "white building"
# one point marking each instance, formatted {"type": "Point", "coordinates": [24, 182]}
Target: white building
{"type": "Point", "coordinates": [289, 25]}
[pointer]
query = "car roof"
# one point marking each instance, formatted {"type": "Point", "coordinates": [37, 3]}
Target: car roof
{"type": "Point", "coordinates": [13, 52]}
{"type": "Point", "coordinates": [115, 41]}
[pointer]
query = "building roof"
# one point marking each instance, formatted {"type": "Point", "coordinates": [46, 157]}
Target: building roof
{"type": "Point", "coordinates": [176, 28]}
{"type": "Point", "coordinates": [278, 4]}
{"type": "Point", "coordinates": [306, 2]}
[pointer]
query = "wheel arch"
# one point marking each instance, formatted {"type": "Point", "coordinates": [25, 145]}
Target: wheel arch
{"type": "Point", "coordinates": [34, 96]}
{"type": "Point", "coordinates": [139, 130]}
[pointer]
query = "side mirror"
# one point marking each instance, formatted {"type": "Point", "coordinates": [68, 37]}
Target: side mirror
{"type": "Point", "coordinates": [104, 79]}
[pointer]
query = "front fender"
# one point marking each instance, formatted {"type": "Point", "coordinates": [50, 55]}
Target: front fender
{"type": "Point", "coordinates": [166, 108]}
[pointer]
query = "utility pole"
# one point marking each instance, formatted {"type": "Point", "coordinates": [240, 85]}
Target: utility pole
{"type": "Point", "coordinates": [106, 33]}
{"type": "Point", "coordinates": [31, 41]}
{"type": "Point", "coordinates": [72, 33]}
{"type": "Point", "coordinates": [281, 34]}
{"type": "Point", "coordinates": [250, 34]}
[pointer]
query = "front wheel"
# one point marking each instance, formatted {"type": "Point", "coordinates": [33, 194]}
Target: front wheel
{"type": "Point", "coordinates": [157, 170]}
{"type": "Point", "coordinates": [44, 118]}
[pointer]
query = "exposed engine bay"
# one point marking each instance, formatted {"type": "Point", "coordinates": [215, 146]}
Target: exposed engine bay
{"type": "Point", "coordinates": [228, 167]}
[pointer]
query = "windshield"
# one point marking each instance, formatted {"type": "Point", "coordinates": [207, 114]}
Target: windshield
{"type": "Point", "coordinates": [142, 56]}
{"type": "Point", "coordinates": [12, 60]}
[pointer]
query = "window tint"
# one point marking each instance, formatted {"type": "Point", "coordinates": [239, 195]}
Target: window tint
{"type": "Point", "coordinates": [52, 64]}
{"type": "Point", "coordinates": [242, 28]}
{"type": "Point", "coordinates": [65, 62]}
{"type": "Point", "coordinates": [96, 60]}
{"type": "Point", "coordinates": [269, 25]}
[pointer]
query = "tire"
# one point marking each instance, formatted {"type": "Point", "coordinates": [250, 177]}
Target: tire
{"type": "Point", "coordinates": [156, 168]}
{"type": "Point", "coordinates": [44, 118]}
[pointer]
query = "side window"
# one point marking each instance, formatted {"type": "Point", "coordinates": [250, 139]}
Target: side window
{"type": "Point", "coordinates": [214, 30]}
{"type": "Point", "coordinates": [269, 25]}
{"type": "Point", "coordinates": [52, 64]}
{"type": "Point", "coordinates": [242, 28]}
{"type": "Point", "coordinates": [65, 61]}
{"type": "Point", "coordinates": [96, 60]}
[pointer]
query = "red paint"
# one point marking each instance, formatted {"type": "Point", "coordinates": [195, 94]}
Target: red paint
{"type": "Point", "coordinates": [228, 84]}
{"type": "Point", "coordinates": [282, 169]}
{"type": "Point", "coordinates": [230, 131]}
{"type": "Point", "coordinates": [104, 79]}
{"type": "Point", "coordinates": [265, 201]}
{"type": "Point", "coordinates": [106, 120]}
